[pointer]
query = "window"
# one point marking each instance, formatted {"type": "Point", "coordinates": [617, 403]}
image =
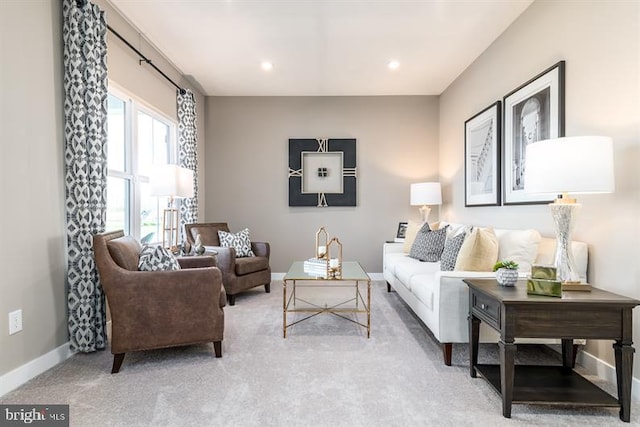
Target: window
{"type": "Point", "coordinates": [138, 139]}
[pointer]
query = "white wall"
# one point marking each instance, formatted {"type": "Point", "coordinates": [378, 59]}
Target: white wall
{"type": "Point", "coordinates": [247, 166]}
{"type": "Point", "coordinates": [600, 42]}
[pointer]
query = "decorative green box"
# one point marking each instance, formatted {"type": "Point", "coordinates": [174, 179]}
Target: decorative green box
{"type": "Point", "coordinates": [543, 272]}
{"type": "Point", "coordinates": [550, 288]}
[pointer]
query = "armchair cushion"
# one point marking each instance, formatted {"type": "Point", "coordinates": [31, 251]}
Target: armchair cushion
{"type": "Point", "coordinates": [157, 258]}
{"type": "Point", "coordinates": [251, 264]}
{"type": "Point", "coordinates": [125, 251]}
{"type": "Point", "coordinates": [239, 241]}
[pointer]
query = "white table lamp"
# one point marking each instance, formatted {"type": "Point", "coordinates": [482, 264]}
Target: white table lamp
{"type": "Point", "coordinates": [581, 164]}
{"type": "Point", "coordinates": [426, 193]}
{"type": "Point", "coordinates": [174, 182]}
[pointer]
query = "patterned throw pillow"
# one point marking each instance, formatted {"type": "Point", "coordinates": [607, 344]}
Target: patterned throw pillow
{"type": "Point", "coordinates": [157, 258]}
{"type": "Point", "coordinates": [240, 241]}
{"type": "Point", "coordinates": [450, 252]}
{"type": "Point", "coordinates": [428, 245]}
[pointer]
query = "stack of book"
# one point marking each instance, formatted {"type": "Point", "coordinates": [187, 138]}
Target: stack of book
{"type": "Point", "coordinates": [316, 267]}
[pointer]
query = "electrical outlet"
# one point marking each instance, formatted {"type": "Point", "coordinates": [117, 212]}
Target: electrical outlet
{"type": "Point", "coordinates": [15, 322]}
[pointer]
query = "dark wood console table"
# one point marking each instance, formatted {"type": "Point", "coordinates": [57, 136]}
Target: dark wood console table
{"type": "Point", "coordinates": [591, 315]}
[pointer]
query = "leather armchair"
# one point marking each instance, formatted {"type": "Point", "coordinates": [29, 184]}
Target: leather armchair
{"type": "Point", "coordinates": [238, 274]}
{"type": "Point", "coordinates": [157, 309]}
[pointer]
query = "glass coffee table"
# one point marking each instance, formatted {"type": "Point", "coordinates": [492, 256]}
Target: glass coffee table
{"type": "Point", "coordinates": [353, 276]}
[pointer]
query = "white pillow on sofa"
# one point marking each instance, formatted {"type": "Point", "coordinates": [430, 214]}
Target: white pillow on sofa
{"type": "Point", "coordinates": [520, 246]}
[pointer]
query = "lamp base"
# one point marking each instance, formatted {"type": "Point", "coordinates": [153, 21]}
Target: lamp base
{"type": "Point", "coordinates": [563, 217]}
{"type": "Point", "coordinates": [425, 211]}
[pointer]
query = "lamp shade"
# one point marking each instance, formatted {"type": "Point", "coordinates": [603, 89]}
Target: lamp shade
{"type": "Point", "coordinates": [426, 193]}
{"type": "Point", "coordinates": [171, 180]}
{"type": "Point", "coordinates": [579, 164]}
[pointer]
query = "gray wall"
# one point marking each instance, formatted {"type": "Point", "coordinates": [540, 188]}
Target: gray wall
{"type": "Point", "coordinates": [247, 166]}
{"type": "Point", "coordinates": [32, 215]}
{"type": "Point", "coordinates": [32, 260]}
{"type": "Point", "coordinates": [600, 43]}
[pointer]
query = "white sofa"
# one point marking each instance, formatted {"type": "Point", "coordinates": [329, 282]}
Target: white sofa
{"type": "Point", "coordinates": [441, 299]}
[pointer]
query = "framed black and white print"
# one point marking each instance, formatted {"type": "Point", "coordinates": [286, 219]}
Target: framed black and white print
{"type": "Point", "coordinates": [322, 172]}
{"type": "Point", "coordinates": [402, 231]}
{"type": "Point", "coordinates": [532, 112]}
{"type": "Point", "coordinates": [482, 158]}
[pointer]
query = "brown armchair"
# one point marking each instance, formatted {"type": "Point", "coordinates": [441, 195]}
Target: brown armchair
{"type": "Point", "coordinates": [238, 274]}
{"type": "Point", "coordinates": [157, 309]}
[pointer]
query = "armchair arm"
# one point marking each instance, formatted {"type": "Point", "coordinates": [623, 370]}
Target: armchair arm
{"type": "Point", "coordinates": [163, 308]}
{"type": "Point", "coordinates": [261, 249]}
{"type": "Point", "coordinates": [226, 258]}
{"type": "Point", "coordinates": [196, 261]}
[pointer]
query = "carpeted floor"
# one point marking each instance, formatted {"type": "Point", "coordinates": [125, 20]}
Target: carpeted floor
{"type": "Point", "coordinates": [326, 373]}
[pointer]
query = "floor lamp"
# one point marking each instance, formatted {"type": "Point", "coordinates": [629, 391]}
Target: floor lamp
{"type": "Point", "coordinates": [582, 164]}
{"type": "Point", "coordinates": [426, 193]}
{"type": "Point", "coordinates": [174, 182]}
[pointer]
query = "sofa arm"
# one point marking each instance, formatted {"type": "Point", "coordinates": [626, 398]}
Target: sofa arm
{"type": "Point", "coordinates": [393, 247]}
{"type": "Point", "coordinates": [262, 249]}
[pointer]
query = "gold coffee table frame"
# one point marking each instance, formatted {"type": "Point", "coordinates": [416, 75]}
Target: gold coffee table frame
{"type": "Point", "coordinates": [353, 275]}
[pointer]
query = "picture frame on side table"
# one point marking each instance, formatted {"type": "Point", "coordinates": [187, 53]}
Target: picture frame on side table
{"type": "Point", "coordinates": [402, 232]}
{"type": "Point", "coordinates": [482, 157]}
{"type": "Point", "coordinates": [532, 112]}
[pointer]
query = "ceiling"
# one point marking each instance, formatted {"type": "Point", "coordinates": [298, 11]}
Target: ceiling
{"type": "Point", "coordinates": [321, 47]}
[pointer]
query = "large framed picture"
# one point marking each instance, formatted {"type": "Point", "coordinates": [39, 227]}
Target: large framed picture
{"type": "Point", "coordinates": [322, 172]}
{"type": "Point", "coordinates": [532, 112]}
{"type": "Point", "coordinates": [482, 158]}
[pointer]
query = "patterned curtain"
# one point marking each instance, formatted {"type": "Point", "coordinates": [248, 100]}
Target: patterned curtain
{"type": "Point", "coordinates": [85, 110]}
{"type": "Point", "coordinates": [188, 153]}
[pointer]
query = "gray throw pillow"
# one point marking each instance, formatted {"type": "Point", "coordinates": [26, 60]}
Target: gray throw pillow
{"type": "Point", "coordinates": [450, 252]}
{"type": "Point", "coordinates": [429, 244]}
{"type": "Point", "coordinates": [157, 258]}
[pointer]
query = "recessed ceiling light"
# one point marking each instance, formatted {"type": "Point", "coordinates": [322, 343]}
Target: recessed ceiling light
{"type": "Point", "coordinates": [266, 66]}
{"type": "Point", "coordinates": [393, 65]}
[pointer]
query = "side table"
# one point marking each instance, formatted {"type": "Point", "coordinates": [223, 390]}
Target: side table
{"type": "Point", "coordinates": [591, 315]}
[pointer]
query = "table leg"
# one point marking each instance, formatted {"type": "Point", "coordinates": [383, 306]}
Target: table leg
{"type": "Point", "coordinates": [284, 309]}
{"type": "Point", "coordinates": [567, 354]}
{"type": "Point", "coordinates": [474, 336]}
{"type": "Point", "coordinates": [368, 308]}
{"type": "Point", "coordinates": [507, 373]}
{"type": "Point", "coordinates": [624, 372]}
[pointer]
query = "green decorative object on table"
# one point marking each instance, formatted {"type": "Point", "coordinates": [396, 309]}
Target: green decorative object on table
{"type": "Point", "coordinates": [506, 272]}
{"type": "Point", "coordinates": [543, 282]}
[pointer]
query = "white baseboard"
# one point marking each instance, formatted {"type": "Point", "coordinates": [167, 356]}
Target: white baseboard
{"type": "Point", "coordinates": [17, 377]}
{"type": "Point", "coordinates": [605, 371]}
{"type": "Point", "coordinates": [374, 276]}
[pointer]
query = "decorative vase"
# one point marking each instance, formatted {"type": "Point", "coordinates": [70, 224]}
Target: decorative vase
{"type": "Point", "coordinates": [198, 247]}
{"type": "Point", "coordinates": [506, 276]}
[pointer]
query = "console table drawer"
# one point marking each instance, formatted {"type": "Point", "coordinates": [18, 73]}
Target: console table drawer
{"type": "Point", "coordinates": [487, 308]}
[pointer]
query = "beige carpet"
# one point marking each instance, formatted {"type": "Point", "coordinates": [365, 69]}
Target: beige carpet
{"type": "Point", "coordinates": [326, 373]}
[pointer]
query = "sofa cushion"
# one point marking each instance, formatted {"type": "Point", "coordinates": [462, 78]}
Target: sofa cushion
{"type": "Point", "coordinates": [422, 286]}
{"type": "Point", "coordinates": [157, 258]}
{"type": "Point", "coordinates": [429, 244]}
{"type": "Point", "coordinates": [520, 246]}
{"type": "Point", "coordinates": [125, 252]}
{"type": "Point", "coordinates": [479, 252]}
{"type": "Point", "coordinates": [450, 252]}
{"type": "Point", "coordinates": [252, 264]}
{"type": "Point", "coordinates": [406, 268]}
{"type": "Point", "coordinates": [239, 241]}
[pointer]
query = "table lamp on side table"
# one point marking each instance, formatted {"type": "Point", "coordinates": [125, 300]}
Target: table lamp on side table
{"type": "Point", "coordinates": [175, 182]}
{"type": "Point", "coordinates": [426, 193]}
{"type": "Point", "coordinates": [582, 164]}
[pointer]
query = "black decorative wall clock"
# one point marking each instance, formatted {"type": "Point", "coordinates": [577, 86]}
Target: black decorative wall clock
{"type": "Point", "coordinates": [322, 172]}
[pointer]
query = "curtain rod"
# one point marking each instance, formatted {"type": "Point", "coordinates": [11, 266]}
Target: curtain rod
{"type": "Point", "coordinates": [145, 59]}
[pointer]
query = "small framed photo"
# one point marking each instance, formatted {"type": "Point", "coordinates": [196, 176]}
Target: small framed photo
{"type": "Point", "coordinates": [482, 158]}
{"type": "Point", "coordinates": [532, 112]}
{"type": "Point", "coordinates": [402, 232]}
